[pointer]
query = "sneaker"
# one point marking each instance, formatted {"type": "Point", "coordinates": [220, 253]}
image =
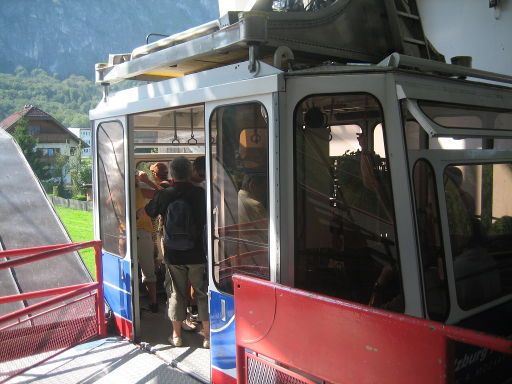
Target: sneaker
{"type": "Point", "coordinates": [188, 326]}
{"type": "Point", "coordinates": [192, 312]}
{"type": "Point", "coordinates": [206, 343]}
{"type": "Point", "coordinates": [176, 341]}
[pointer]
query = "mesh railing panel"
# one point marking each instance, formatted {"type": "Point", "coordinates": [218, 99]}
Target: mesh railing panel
{"type": "Point", "coordinates": [41, 335]}
{"type": "Point", "coordinates": [260, 371]}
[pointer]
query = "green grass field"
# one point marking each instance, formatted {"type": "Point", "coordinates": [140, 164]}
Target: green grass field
{"type": "Point", "coordinates": [79, 225]}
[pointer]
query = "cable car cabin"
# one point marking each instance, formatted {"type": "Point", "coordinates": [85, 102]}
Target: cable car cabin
{"type": "Point", "coordinates": [380, 184]}
{"type": "Point", "coordinates": [371, 184]}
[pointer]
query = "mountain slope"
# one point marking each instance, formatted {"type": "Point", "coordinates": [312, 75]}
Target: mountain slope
{"type": "Point", "coordinates": [66, 37]}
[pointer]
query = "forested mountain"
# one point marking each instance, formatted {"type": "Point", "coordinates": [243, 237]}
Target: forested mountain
{"type": "Point", "coordinates": [49, 47]}
{"type": "Point", "coordinates": [67, 37]}
{"type": "Point", "coordinates": [66, 100]}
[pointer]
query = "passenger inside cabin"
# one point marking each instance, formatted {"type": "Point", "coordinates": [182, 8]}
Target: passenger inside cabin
{"type": "Point", "coordinates": [477, 277]}
{"type": "Point", "coordinates": [184, 207]}
{"type": "Point", "coordinates": [160, 173]}
{"type": "Point", "coordinates": [199, 180]}
{"type": "Point", "coordinates": [461, 211]}
{"type": "Point", "coordinates": [251, 206]}
{"type": "Point", "coordinates": [145, 244]}
{"type": "Point", "coordinates": [199, 172]}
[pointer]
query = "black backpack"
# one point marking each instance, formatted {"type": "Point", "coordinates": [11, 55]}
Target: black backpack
{"type": "Point", "coordinates": [181, 232]}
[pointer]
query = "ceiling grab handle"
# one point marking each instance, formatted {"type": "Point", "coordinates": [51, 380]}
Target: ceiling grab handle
{"type": "Point", "coordinates": [175, 139]}
{"type": "Point", "coordinates": [192, 139]}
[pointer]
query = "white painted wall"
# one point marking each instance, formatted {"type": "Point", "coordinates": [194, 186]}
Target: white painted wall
{"type": "Point", "coordinates": [64, 148]}
{"type": "Point", "coordinates": [234, 5]}
{"type": "Point", "coordinates": [471, 28]}
{"type": "Point", "coordinates": [85, 135]}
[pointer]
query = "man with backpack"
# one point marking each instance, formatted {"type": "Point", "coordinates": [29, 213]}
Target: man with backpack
{"type": "Point", "coordinates": [183, 207]}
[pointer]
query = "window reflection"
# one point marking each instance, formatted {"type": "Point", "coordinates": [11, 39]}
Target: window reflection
{"type": "Point", "coordinates": [111, 172]}
{"type": "Point", "coordinates": [478, 209]}
{"type": "Point", "coordinates": [431, 242]}
{"type": "Point", "coordinates": [345, 243]}
{"type": "Point", "coordinates": [480, 227]}
{"type": "Point", "coordinates": [240, 192]}
{"type": "Point", "coordinates": [465, 116]}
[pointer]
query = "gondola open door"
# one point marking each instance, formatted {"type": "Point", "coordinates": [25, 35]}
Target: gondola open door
{"type": "Point", "coordinates": [111, 223]}
{"type": "Point", "coordinates": [243, 238]}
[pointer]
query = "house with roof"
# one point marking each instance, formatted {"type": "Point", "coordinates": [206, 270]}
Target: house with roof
{"type": "Point", "coordinates": [52, 137]}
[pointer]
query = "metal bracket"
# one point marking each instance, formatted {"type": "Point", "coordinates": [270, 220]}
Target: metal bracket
{"type": "Point", "coordinates": [283, 56]}
{"type": "Point", "coordinates": [106, 88]}
{"type": "Point", "coordinates": [253, 62]}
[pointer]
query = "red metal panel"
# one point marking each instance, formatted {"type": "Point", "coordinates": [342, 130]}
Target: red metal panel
{"type": "Point", "coordinates": [342, 342]}
{"type": "Point", "coordinates": [219, 377]}
{"type": "Point", "coordinates": [125, 327]}
{"type": "Point", "coordinates": [263, 371]}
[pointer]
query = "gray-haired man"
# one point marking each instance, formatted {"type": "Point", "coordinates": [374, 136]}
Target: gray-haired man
{"type": "Point", "coordinates": [183, 206]}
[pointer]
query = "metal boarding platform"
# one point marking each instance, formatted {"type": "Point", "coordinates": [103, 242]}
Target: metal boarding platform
{"type": "Point", "coordinates": [44, 341]}
{"type": "Point", "coordinates": [192, 358]}
{"type": "Point", "coordinates": [109, 360]}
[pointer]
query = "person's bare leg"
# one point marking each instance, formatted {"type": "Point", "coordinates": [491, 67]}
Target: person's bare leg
{"type": "Point", "coordinates": [206, 333]}
{"type": "Point", "coordinates": [175, 339]}
{"type": "Point", "coordinates": [176, 329]}
{"type": "Point", "coordinates": [151, 287]}
{"type": "Point", "coordinates": [206, 328]}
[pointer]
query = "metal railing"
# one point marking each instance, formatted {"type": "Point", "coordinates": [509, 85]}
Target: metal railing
{"type": "Point", "coordinates": [71, 315]}
{"type": "Point", "coordinates": [287, 335]}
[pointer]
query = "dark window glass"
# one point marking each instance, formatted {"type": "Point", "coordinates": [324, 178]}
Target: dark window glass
{"type": "Point", "coordinates": [464, 116]}
{"type": "Point", "coordinates": [345, 243]}
{"type": "Point", "coordinates": [480, 225]}
{"type": "Point", "coordinates": [111, 180]}
{"type": "Point", "coordinates": [431, 242]}
{"type": "Point", "coordinates": [240, 192]}
{"type": "Point", "coordinates": [417, 137]}
{"type": "Point", "coordinates": [48, 152]}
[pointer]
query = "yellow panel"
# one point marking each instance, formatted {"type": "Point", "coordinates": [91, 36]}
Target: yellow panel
{"type": "Point", "coordinates": [164, 73]}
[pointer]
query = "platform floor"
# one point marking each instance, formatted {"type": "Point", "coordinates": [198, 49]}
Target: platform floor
{"type": "Point", "coordinates": [191, 358]}
{"type": "Point", "coordinates": [109, 360]}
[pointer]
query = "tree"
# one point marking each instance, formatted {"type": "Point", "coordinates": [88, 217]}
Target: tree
{"type": "Point", "coordinates": [80, 172]}
{"type": "Point", "coordinates": [69, 100]}
{"type": "Point", "coordinates": [59, 164]}
{"type": "Point", "coordinates": [28, 144]}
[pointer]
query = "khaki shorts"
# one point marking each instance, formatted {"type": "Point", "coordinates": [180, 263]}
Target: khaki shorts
{"type": "Point", "coordinates": [145, 254]}
{"type": "Point", "coordinates": [176, 286]}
